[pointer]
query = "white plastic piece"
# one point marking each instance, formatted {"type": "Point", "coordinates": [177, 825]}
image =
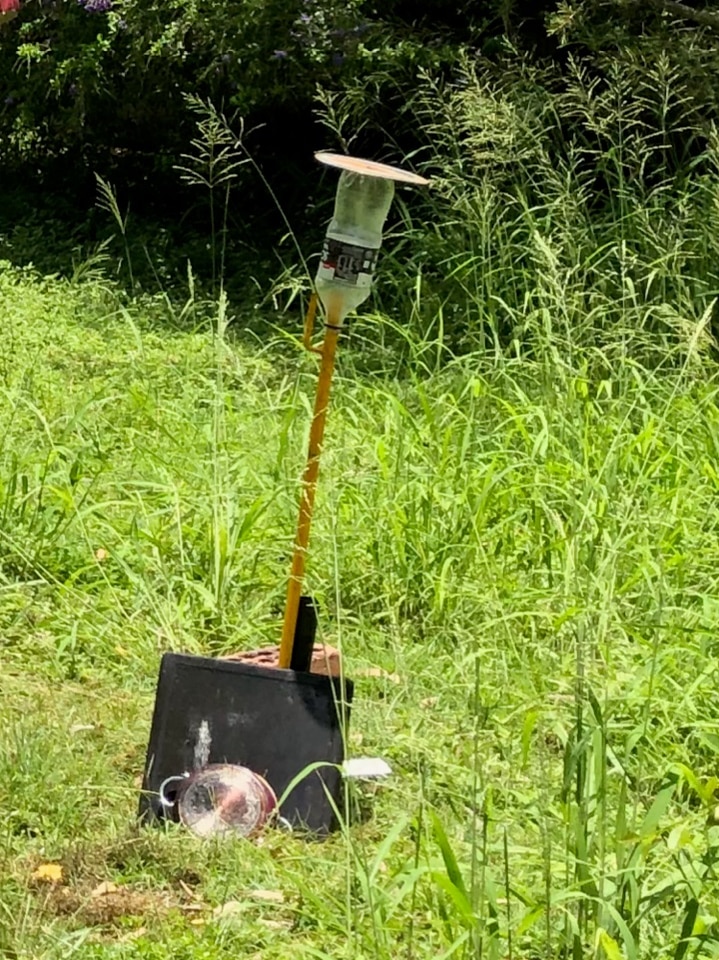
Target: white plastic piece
{"type": "Point", "coordinates": [366, 768]}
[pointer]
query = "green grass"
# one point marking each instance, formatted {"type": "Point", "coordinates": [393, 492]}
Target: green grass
{"type": "Point", "coordinates": [526, 546]}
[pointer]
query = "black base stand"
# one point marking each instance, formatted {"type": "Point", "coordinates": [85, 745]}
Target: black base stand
{"type": "Point", "coordinates": [304, 639]}
{"type": "Point", "coordinates": [276, 722]}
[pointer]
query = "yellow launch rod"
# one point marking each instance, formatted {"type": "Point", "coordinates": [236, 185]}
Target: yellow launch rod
{"type": "Point", "coordinates": [309, 479]}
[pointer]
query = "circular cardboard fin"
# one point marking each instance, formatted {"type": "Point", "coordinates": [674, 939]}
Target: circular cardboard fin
{"type": "Point", "coordinates": [370, 168]}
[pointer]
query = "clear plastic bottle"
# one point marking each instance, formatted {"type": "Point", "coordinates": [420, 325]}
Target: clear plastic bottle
{"type": "Point", "coordinates": [352, 242]}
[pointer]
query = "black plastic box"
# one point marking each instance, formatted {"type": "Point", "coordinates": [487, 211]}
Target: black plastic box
{"type": "Point", "coordinates": [276, 722]}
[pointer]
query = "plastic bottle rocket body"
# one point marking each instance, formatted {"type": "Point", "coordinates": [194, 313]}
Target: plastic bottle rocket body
{"type": "Point", "coordinates": [352, 242]}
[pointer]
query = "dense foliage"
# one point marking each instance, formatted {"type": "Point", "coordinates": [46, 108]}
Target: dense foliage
{"type": "Point", "coordinates": [537, 121]}
{"type": "Point", "coordinates": [107, 78]}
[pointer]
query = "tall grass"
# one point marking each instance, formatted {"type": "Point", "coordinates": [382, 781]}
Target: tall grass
{"type": "Point", "coordinates": [531, 550]}
{"type": "Point", "coordinates": [516, 531]}
{"type": "Point", "coordinates": [563, 213]}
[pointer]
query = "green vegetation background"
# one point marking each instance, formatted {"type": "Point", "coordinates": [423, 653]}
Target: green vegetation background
{"type": "Point", "coordinates": [516, 535]}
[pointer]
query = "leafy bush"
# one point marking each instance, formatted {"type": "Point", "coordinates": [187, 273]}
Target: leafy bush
{"type": "Point", "coordinates": [576, 139]}
{"type": "Point", "coordinates": [110, 75]}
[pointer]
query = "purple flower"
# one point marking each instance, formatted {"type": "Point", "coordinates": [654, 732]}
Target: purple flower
{"type": "Point", "coordinates": [305, 18]}
{"type": "Point", "coordinates": [9, 101]}
{"type": "Point", "coordinates": [279, 55]}
{"type": "Point", "coordinates": [96, 6]}
{"type": "Point", "coordinates": [337, 59]}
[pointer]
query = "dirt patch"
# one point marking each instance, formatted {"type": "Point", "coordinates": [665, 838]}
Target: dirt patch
{"type": "Point", "coordinates": [107, 904]}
